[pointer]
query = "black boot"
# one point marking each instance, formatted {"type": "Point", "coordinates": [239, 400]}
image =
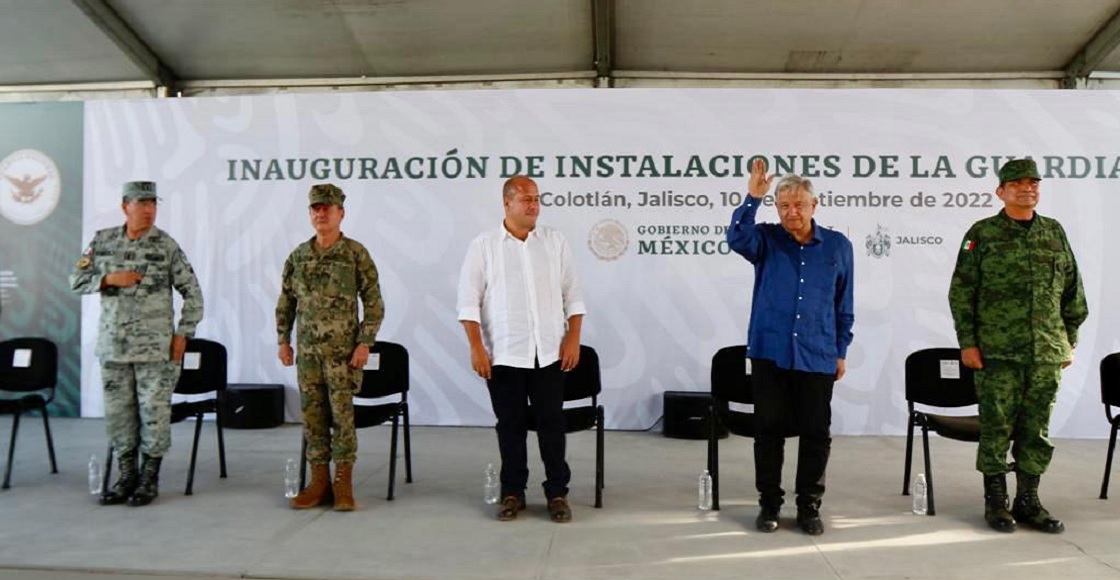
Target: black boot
{"type": "Point", "coordinates": [149, 482]}
{"type": "Point", "coordinates": [995, 504]}
{"type": "Point", "coordinates": [1029, 510]}
{"type": "Point", "coordinates": [126, 481]}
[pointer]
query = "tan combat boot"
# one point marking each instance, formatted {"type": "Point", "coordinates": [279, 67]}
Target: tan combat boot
{"type": "Point", "coordinates": [316, 492]}
{"type": "Point", "coordinates": [343, 489]}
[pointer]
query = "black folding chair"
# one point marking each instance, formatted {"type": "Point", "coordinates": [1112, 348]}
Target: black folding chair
{"type": "Point", "coordinates": [1110, 396]}
{"type": "Point", "coordinates": [731, 384]}
{"type": "Point", "coordinates": [209, 377]}
{"type": "Point", "coordinates": [935, 377]}
{"type": "Point", "coordinates": [388, 379]}
{"type": "Point", "coordinates": [583, 382]}
{"type": "Point", "coordinates": [28, 375]}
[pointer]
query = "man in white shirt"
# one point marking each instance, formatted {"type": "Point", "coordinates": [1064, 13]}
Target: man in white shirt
{"type": "Point", "coordinates": [522, 307]}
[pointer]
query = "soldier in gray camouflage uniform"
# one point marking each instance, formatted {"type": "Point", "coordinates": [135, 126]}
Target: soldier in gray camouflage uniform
{"type": "Point", "coordinates": [1017, 302]}
{"type": "Point", "coordinates": [134, 267]}
{"type": "Point", "coordinates": [322, 281]}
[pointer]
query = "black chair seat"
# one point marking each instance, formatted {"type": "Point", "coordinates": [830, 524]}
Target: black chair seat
{"type": "Point", "coordinates": [580, 419]}
{"type": "Point", "coordinates": [186, 410]}
{"type": "Point", "coordinates": [28, 403]}
{"type": "Point", "coordinates": [576, 419]}
{"type": "Point", "coordinates": [373, 415]}
{"type": "Point", "coordinates": [961, 428]}
{"type": "Point", "coordinates": [737, 423]}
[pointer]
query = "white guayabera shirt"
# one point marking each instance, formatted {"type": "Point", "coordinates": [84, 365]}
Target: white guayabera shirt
{"type": "Point", "coordinates": [521, 293]}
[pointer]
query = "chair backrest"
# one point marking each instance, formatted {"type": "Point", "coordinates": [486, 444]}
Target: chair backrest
{"type": "Point", "coordinates": [583, 381]}
{"type": "Point", "coordinates": [391, 375]}
{"type": "Point", "coordinates": [730, 381]}
{"type": "Point", "coordinates": [28, 364]}
{"type": "Point", "coordinates": [210, 372]}
{"type": "Point", "coordinates": [1110, 379]}
{"type": "Point", "coordinates": [936, 377]}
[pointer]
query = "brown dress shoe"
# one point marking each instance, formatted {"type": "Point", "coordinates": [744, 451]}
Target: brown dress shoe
{"type": "Point", "coordinates": [559, 510]}
{"type": "Point", "coordinates": [511, 504]}
{"type": "Point", "coordinates": [316, 492]}
{"type": "Point", "coordinates": [343, 487]}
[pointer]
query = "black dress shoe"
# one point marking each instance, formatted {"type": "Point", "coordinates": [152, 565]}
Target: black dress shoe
{"type": "Point", "coordinates": [809, 520]}
{"type": "Point", "coordinates": [767, 520]}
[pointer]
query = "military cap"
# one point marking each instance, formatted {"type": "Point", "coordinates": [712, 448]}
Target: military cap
{"type": "Point", "coordinates": [135, 190]}
{"type": "Point", "coordinates": [326, 193]}
{"type": "Point", "coordinates": [1018, 169]}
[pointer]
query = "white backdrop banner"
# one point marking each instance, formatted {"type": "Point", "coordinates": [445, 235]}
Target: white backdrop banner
{"type": "Point", "coordinates": [643, 183]}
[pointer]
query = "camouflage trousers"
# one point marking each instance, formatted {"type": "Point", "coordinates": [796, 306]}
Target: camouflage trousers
{"type": "Point", "coordinates": [326, 394]}
{"type": "Point", "coordinates": [138, 405]}
{"type": "Point", "coordinates": [1015, 405]}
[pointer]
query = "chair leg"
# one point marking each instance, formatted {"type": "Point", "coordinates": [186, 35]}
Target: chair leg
{"type": "Point", "coordinates": [599, 460]}
{"type": "Point", "coordinates": [1108, 461]}
{"type": "Point", "coordinates": [50, 440]}
{"type": "Point", "coordinates": [906, 470]}
{"type": "Point", "coordinates": [108, 468]}
{"type": "Point", "coordinates": [713, 459]}
{"type": "Point", "coordinates": [221, 442]}
{"type": "Point", "coordinates": [931, 509]}
{"type": "Point", "coordinates": [11, 451]}
{"type": "Point", "coordinates": [194, 454]}
{"type": "Point", "coordinates": [303, 461]}
{"type": "Point", "coordinates": [407, 445]}
{"type": "Point", "coordinates": [393, 456]}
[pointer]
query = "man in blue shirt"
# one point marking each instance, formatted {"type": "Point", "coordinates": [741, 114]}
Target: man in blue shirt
{"type": "Point", "coordinates": [800, 329]}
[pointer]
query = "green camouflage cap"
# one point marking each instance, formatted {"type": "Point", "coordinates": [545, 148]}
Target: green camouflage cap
{"type": "Point", "coordinates": [134, 190]}
{"type": "Point", "coordinates": [326, 193]}
{"type": "Point", "coordinates": [1018, 169]}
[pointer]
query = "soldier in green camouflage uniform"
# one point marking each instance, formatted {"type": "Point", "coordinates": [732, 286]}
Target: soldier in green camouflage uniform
{"type": "Point", "coordinates": [323, 279]}
{"type": "Point", "coordinates": [1017, 302]}
{"type": "Point", "coordinates": [134, 267]}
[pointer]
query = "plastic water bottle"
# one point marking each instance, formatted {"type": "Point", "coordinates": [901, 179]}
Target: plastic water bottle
{"type": "Point", "coordinates": [704, 491]}
{"type": "Point", "coordinates": [918, 492]}
{"type": "Point", "coordinates": [490, 485]}
{"type": "Point", "coordinates": [94, 475]}
{"type": "Point", "coordinates": [291, 478]}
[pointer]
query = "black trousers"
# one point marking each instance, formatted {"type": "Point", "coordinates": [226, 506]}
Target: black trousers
{"type": "Point", "coordinates": [511, 391]}
{"type": "Point", "coordinates": [788, 402]}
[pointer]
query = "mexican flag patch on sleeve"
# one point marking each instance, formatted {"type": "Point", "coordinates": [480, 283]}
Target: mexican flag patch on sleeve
{"type": "Point", "coordinates": [968, 245]}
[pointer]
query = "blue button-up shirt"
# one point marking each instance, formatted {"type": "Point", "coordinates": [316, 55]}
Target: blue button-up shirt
{"type": "Point", "coordinates": [802, 310]}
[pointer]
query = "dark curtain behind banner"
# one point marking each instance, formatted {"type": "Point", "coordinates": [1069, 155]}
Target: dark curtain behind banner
{"type": "Point", "coordinates": [40, 232]}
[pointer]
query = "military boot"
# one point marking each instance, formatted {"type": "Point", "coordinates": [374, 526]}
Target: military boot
{"type": "Point", "coordinates": [343, 489]}
{"type": "Point", "coordinates": [1028, 509]}
{"type": "Point", "coordinates": [316, 492]}
{"type": "Point", "coordinates": [995, 504]}
{"type": "Point", "coordinates": [126, 483]}
{"type": "Point", "coordinates": [148, 489]}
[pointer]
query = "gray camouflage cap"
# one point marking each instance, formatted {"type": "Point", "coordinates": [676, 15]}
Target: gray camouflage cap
{"type": "Point", "coordinates": [136, 190]}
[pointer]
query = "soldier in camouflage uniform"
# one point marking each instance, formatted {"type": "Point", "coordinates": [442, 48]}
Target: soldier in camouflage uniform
{"type": "Point", "coordinates": [134, 267]}
{"type": "Point", "coordinates": [1017, 302]}
{"type": "Point", "coordinates": [323, 280]}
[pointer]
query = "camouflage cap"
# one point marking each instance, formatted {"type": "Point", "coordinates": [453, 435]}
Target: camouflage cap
{"type": "Point", "coordinates": [134, 190]}
{"type": "Point", "coordinates": [1018, 169]}
{"type": "Point", "coordinates": [326, 193]}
